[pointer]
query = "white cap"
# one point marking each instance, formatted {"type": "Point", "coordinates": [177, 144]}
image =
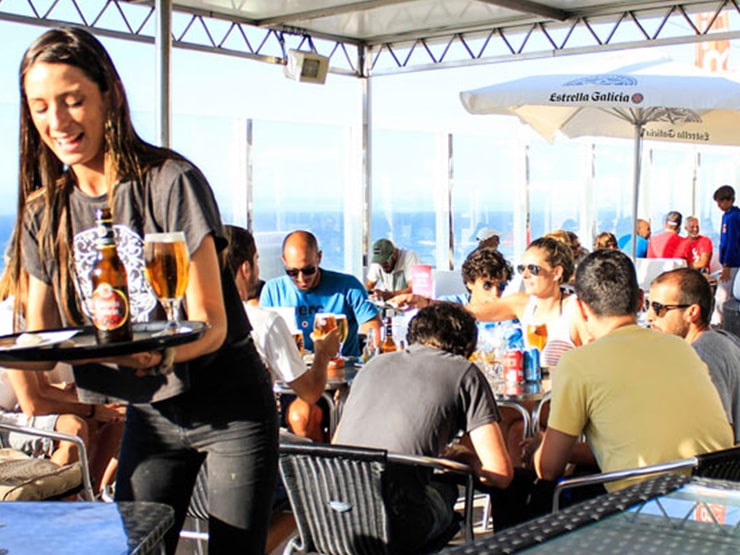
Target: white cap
{"type": "Point", "coordinates": [486, 233]}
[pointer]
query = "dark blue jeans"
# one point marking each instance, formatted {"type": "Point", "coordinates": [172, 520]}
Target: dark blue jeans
{"type": "Point", "coordinates": [234, 428]}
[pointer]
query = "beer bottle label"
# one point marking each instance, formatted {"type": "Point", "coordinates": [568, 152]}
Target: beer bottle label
{"type": "Point", "coordinates": [110, 307]}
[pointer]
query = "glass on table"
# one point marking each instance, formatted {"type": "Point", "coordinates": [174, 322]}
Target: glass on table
{"type": "Point", "coordinates": [167, 262]}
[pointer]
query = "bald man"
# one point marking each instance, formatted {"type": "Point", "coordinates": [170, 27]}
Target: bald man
{"type": "Point", "coordinates": [312, 289]}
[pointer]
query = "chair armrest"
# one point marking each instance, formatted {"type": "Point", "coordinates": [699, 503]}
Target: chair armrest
{"type": "Point", "coordinates": [446, 466]}
{"type": "Point", "coordinates": [606, 477]}
{"type": "Point", "coordinates": [59, 436]}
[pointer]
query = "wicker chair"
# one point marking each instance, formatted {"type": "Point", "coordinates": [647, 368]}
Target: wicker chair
{"type": "Point", "coordinates": [24, 478]}
{"type": "Point", "coordinates": [339, 503]}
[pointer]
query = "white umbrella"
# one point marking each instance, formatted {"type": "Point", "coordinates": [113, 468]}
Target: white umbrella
{"type": "Point", "coordinates": [664, 102]}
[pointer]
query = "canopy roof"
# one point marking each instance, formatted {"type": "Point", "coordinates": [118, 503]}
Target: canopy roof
{"type": "Point", "coordinates": [375, 37]}
{"type": "Point", "coordinates": [381, 21]}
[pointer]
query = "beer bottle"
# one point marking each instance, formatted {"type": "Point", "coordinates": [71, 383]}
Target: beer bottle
{"type": "Point", "coordinates": [110, 303]}
{"type": "Point", "coordinates": [388, 344]}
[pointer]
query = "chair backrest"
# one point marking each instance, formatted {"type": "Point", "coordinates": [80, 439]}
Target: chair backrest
{"type": "Point", "coordinates": [723, 465]}
{"type": "Point", "coordinates": [337, 497]}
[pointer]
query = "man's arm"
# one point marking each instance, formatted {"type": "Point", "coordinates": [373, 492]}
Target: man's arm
{"type": "Point", "coordinates": [310, 385]}
{"type": "Point", "coordinates": [496, 468]}
{"type": "Point", "coordinates": [554, 453]}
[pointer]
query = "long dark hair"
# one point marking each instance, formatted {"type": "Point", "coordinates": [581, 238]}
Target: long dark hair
{"type": "Point", "coordinates": [42, 174]}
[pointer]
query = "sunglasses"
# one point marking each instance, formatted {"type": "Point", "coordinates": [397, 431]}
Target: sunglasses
{"type": "Point", "coordinates": [488, 285]}
{"type": "Point", "coordinates": [661, 309]}
{"type": "Point", "coordinates": [534, 269]}
{"type": "Point", "coordinates": [307, 271]}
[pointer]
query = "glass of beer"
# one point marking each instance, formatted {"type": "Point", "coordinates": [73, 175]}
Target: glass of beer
{"type": "Point", "coordinates": [167, 262]}
{"type": "Point", "coordinates": [323, 323]}
{"type": "Point", "coordinates": [537, 335]}
{"type": "Point", "coordinates": [343, 330]}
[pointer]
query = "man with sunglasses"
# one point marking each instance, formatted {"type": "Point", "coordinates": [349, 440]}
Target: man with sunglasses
{"type": "Point", "coordinates": [640, 397]}
{"type": "Point", "coordinates": [311, 289]}
{"type": "Point", "coordinates": [681, 305]}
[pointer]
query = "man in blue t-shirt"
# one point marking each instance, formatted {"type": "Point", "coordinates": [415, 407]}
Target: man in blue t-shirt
{"type": "Point", "coordinates": [729, 249]}
{"type": "Point", "coordinates": [641, 247]}
{"type": "Point", "coordinates": [311, 289]}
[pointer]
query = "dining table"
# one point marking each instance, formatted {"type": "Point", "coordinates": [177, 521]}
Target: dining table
{"type": "Point", "coordinates": [83, 528]}
{"type": "Point", "coordinates": [670, 514]}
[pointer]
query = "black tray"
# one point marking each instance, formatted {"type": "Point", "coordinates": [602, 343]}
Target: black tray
{"type": "Point", "coordinates": [148, 336]}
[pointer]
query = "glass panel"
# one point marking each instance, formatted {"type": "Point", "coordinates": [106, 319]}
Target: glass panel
{"type": "Point", "coordinates": [668, 175]}
{"type": "Point", "coordinates": [298, 175]}
{"type": "Point", "coordinates": [557, 185]}
{"type": "Point", "coordinates": [405, 174]}
{"type": "Point", "coordinates": [612, 188]}
{"type": "Point", "coordinates": [486, 185]}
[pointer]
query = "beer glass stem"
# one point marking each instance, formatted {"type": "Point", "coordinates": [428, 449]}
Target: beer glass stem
{"type": "Point", "coordinates": [172, 308]}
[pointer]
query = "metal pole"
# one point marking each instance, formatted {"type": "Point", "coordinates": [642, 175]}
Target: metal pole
{"type": "Point", "coordinates": [636, 187]}
{"type": "Point", "coordinates": [367, 155]}
{"type": "Point", "coordinates": [163, 49]}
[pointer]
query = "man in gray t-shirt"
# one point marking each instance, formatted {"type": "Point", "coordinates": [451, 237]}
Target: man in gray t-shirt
{"type": "Point", "coordinates": [415, 402]}
{"type": "Point", "coordinates": [681, 304]}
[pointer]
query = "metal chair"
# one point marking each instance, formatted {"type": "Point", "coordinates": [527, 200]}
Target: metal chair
{"type": "Point", "coordinates": [339, 501]}
{"type": "Point", "coordinates": [723, 464]}
{"type": "Point", "coordinates": [33, 479]}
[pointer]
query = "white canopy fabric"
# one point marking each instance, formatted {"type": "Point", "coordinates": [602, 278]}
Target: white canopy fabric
{"type": "Point", "coordinates": [657, 101]}
{"type": "Point", "coordinates": [671, 102]}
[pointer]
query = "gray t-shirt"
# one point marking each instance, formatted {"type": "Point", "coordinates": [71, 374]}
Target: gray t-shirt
{"type": "Point", "coordinates": [415, 401]}
{"type": "Point", "coordinates": [720, 351]}
{"type": "Point", "coordinates": [174, 197]}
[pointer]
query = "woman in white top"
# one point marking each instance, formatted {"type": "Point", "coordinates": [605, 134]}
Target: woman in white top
{"type": "Point", "coordinates": [546, 266]}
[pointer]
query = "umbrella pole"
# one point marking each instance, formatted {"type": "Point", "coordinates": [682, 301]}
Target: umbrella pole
{"type": "Point", "coordinates": [636, 185]}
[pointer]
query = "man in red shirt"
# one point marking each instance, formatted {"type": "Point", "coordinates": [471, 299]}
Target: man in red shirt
{"type": "Point", "coordinates": [698, 247]}
{"type": "Point", "coordinates": [668, 243]}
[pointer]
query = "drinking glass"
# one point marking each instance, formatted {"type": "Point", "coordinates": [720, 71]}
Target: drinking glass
{"type": "Point", "coordinates": [537, 335]}
{"type": "Point", "coordinates": [167, 262]}
{"type": "Point", "coordinates": [343, 330]}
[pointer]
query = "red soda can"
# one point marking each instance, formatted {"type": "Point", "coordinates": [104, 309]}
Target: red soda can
{"type": "Point", "coordinates": [514, 366]}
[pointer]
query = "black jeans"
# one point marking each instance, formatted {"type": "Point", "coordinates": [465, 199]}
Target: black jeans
{"type": "Point", "coordinates": [234, 428]}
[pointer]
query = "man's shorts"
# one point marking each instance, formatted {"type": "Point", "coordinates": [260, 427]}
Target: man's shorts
{"type": "Point", "coordinates": [33, 446]}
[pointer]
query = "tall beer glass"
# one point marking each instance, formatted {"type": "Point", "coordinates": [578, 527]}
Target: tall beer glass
{"type": "Point", "coordinates": [167, 262]}
{"type": "Point", "coordinates": [343, 330]}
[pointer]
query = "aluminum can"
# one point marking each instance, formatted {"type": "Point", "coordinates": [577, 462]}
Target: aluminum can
{"type": "Point", "coordinates": [514, 366]}
{"type": "Point", "coordinates": [532, 368]}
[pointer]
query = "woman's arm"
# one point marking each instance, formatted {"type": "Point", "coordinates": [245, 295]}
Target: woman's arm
{"type": "Point", "coordinates": [505, 308]}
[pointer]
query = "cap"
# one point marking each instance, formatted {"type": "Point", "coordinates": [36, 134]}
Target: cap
{"type": "Point", "coordinates": [485, 233]}
{"type": "Point", "coordinates": [382, 251]}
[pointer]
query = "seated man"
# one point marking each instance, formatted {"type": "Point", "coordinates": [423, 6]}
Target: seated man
{"type": "Point", "coordinates": [698, 247]}
{"type": "Point", "coordinates": [668, 243]}
{"type": "Point", "coordinates": [312, 289]}
{"type": "Point", "coordinates": [641, 245]}
{"type": "Point", "coordinates": [640, 397]}
{"type": "Point", "coordinates": [681, 304]}
{"type": "Point", "coordinates": [391, 267]}
{"type": "Point", "coordinates": [273, 339]}
{"type": "Point", "coordinates": [450, 395]}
